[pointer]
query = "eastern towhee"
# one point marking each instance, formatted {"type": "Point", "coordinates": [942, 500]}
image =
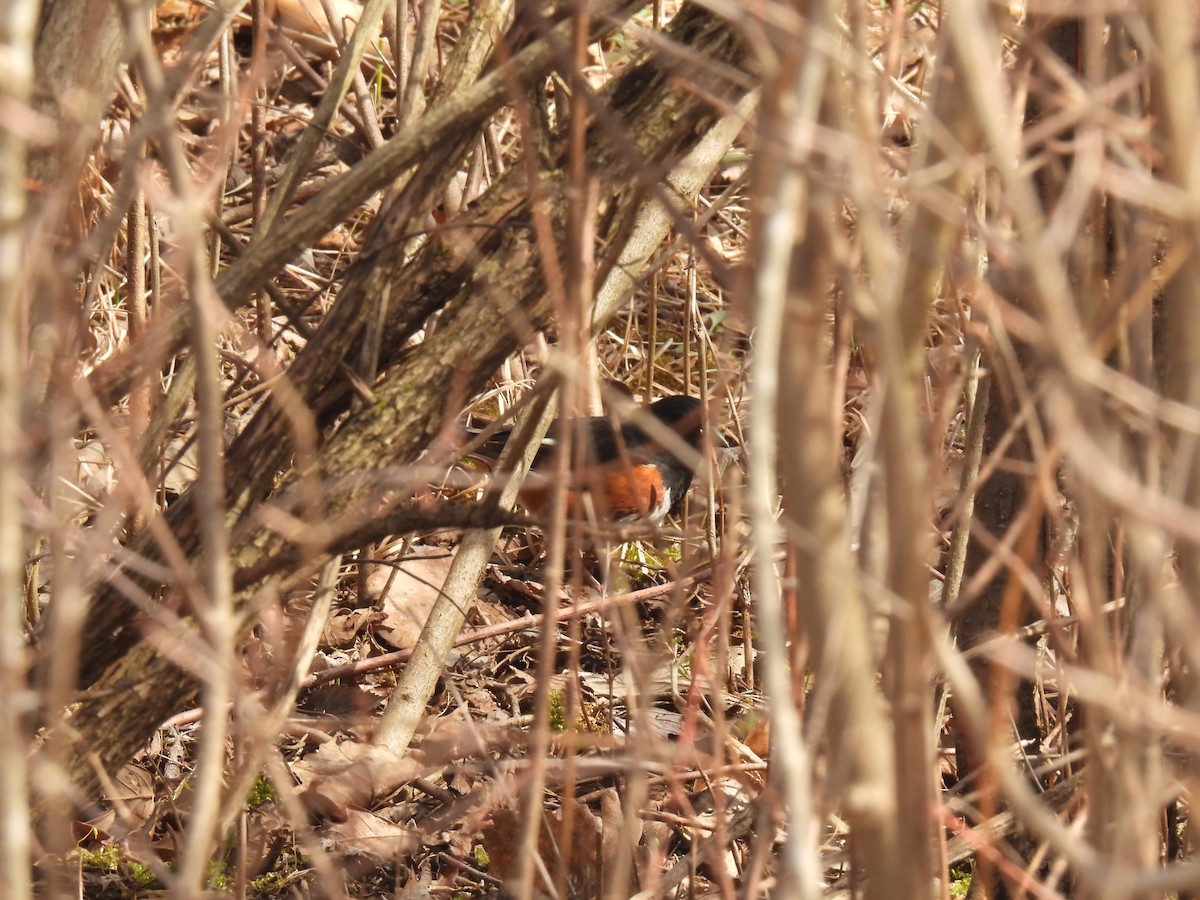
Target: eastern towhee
{"type": "Point", "coordinates": [628, 473]}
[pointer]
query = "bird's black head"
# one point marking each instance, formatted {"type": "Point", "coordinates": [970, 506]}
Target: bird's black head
{"type": "Point", "coordinates": [681, 414]}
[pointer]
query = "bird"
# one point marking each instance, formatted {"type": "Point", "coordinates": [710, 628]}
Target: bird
{"type": "Point", "coordinates": [628, 473]}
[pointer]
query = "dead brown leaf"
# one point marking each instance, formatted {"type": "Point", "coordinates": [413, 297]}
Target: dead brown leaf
{"type": "Point", "coordinates": [342, 777]}
{"type": "Point", "coordinates": [366, 834]}
{"type": "Point", "coordinates": [131, 804]}
{"type": "Point", "coordinates": [407, 594]}
{"type": "Point", "coordinates": [344, 625]}
{"type": "Point", "coordinates": [573, 836]}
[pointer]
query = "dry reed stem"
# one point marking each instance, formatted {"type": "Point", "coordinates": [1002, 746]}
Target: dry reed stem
{"type": "Point", "coordinates": [16, 76]}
